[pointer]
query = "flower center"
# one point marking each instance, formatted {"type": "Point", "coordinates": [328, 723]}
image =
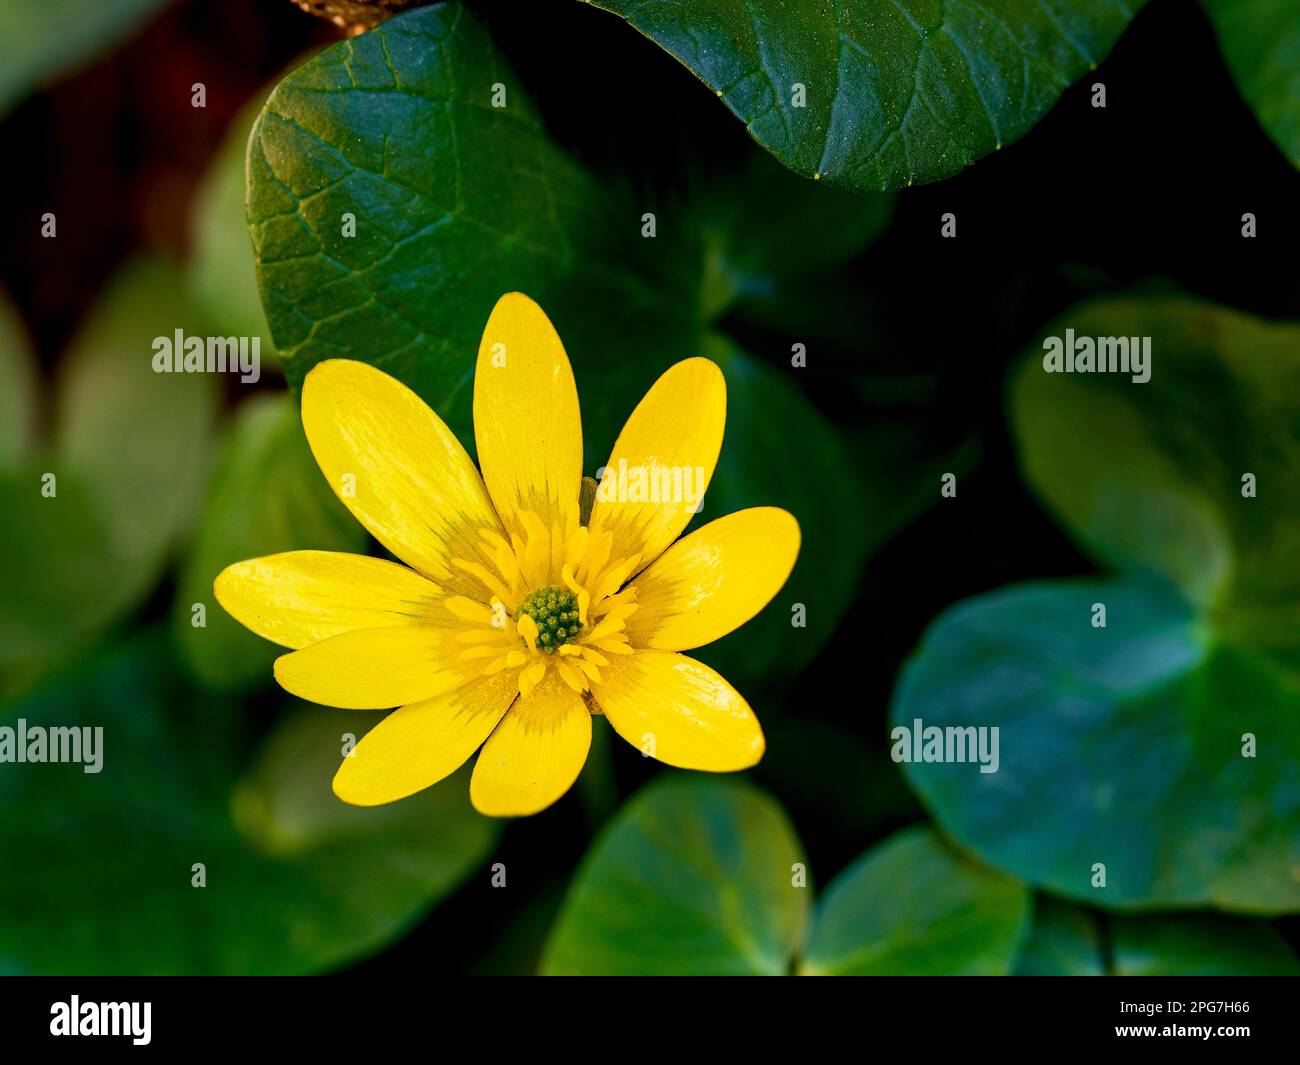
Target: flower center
{"type": "Point", "coordinates": [556, 612]}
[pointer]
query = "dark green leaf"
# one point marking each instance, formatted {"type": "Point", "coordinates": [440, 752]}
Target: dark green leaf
{"type": "Point", "coordinates": [1064, 940]}
{"type": "Point", "coordinates": [18, 397]}
{"type": "Point", "coordinates": [455, 202]}
{"type": "Point", "coordinates": [100, 867]}
{"type": "Point", "coordinates": [1261, 43]}
{"type": "Point", "coordinates": [894, 93]}
{"type": "Point", "coordinates": [911, 906]}
{"type": "Point", "coordinates": [693, 876]}
{"type": "Point", "coordinates": [267, 495]}
{"type": "Point", "coordinates": [762, 465]}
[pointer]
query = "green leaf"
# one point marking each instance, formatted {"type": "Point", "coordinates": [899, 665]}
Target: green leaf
{"type": "Point", "coordinates": [1064, 940]}
{"type": "Point", "coordinates": [693, 876]}
{"type": "Point", "coordinates": [267, 495]}
{"type": "Point", "coordinates": [39, 41]}
{"type": "Point", "coordinates": [222, 271]}
{"type": "Point", "coordinates": [753, 226]}
{"type": "Point", "coordinates": [1070, 941]}
{"type": "Point", "coordinates": [455, 202]}
{"type": "Point", "coordinates": [1261, 44]}
{"type": "Point", "coordinates": [1149, 477]}
{"type": "Point", "coordinates": [1124, 746]}
{"type": "Point", "coordinates": [760, 467]}
{"type": "Point", "coordinates": [127, 462]}
{"type": "Point", "coordinates": [911, 906]}
{"type": "Point", "coordinates": [893, 93]}
{"type": "Point", "coordinates": [139, 438]}
{"type": "Point", "coordinates": [102, 865]}
{"type": "Point", "coordinates": [1199, 946]}
{"type": "Point", "coordinates": [18, 400]}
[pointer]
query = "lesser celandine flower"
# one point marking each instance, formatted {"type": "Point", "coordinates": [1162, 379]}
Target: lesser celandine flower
{"type": "Point", "coordinates": [512, 622]}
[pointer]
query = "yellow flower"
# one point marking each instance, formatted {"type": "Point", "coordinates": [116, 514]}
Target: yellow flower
{"type": "Point", "coordinates": [514, 622]}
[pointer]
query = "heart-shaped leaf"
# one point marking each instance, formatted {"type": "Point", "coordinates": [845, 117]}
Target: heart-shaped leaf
{"type": "Point", "coordinates": [172, 859]}
{"type": "Point", "coordinates": [1261, 44]}
{"type": "Point", "coordinates": [911, 906]}
{"type": "Point", "coordinates": [874, 94]}
{"type": "Point", "coordinates": [266, 496]}
{"type": "Point", "coordinates": [695, 875]}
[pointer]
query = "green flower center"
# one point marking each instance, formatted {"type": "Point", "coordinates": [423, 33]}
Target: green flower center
{"type": "Point", "coordinates": [556, 612]}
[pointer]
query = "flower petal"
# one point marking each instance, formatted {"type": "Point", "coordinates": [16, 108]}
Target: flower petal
{"type": "Point", "coordinates": [421, 743]}
{"type": "Point", "coordinates": [298, 598]}
{"type": "Point", "coordinates": [662, 461]}
{"type": "Point", "coordinates": [679, 711]}
{"type": "Point", "coordinates": [535, 754]}
{"type": "Point", "coordinates": [714, 580]}
{"type": "Point", "coordinates": [398, 468]}
{"type": "Point", "coordinates": [373, 669]}
{"type": "Point", "coordinates": [526, 420]}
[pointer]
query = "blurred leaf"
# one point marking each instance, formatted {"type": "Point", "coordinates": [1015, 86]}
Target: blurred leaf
{"type": "Point", "coordinates": [354, 132]}
{"type": "Point", "coordinates": [1064, 940]}
{"type": "Point", "coordinates": [222, 272]}
{"type": "Point", "coordinates": [129, 453]}
{"type": "Point", "coordinates": [18, 399]}
{"type": "Point", "coordinates": [1067, 941]}
{"type": "Point", "coordinates": [100, 866]}
{"type": "Point", "coordinates": [911, 906]}
{"type": "Point", "coordinates": [892, 97]}
{"type": "Point", "coordinates": [1199, 946]}
{"type": "Point", "coordinates": [39, 41]}
{"type": "Point", "coordinates": [794, 460]}
{"type": "Point", "coordinates": [266, 496]}
{"type": "Point", "coordinates": [1261, 44]}
{"type": "Point", "coordinates": [1120, 745]}
{"type": "Point", "coordinates": [754, 227]}
{"type": "Point", "coordinates": [693, 876]}
{"type": "Point", "coordinates": [828, 775]}
{"type": "Point", "coordinates": [140, 438]}
{"type": "Point", "coordinates": [1148, 477]}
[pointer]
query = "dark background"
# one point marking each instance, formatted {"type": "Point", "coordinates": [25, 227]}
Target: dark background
{"type": "Point", "coordinates": [1146, 194]}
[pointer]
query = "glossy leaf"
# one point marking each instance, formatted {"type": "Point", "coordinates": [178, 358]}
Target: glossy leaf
{"type": "Point", "coordinates": [454, 200]}
{"type": "Point", "coordinates": [293, 881]}
{"type": "Point", "coordinates": [911, 906]}
{"type": "Point", "coordinates": [873, 94]}
{"type": "Point", "coordinates": [693, 876]}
